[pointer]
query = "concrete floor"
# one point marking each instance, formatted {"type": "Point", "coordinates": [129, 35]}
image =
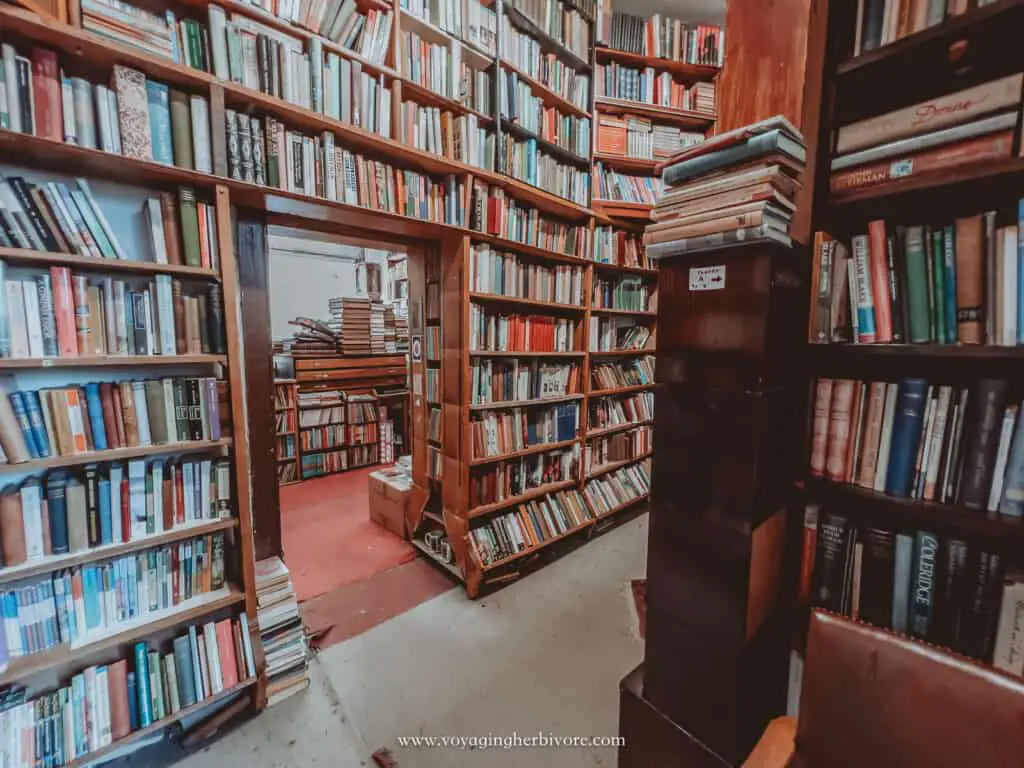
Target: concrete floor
{"type": "Point", "coordinates": [545, 654]}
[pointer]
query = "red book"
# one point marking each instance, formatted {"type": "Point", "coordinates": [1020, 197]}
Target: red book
{"type": "Point", "coordinates": [179, 495]}
{"type": "Point", "coordinates": [175, 576]}
{"type": "Point", "coordinates": [819, 441]}
{"type": "Point", "coordinates": [856, 409]}
{"type": "Point", "coordinates": [115, 393]}
{"type": "Point", "coordinates": [117, 682]}
{"type": "Point", "coordinates": [843, 392]}
{"type": "Point", "coordinates": [126, 511]}
{"type": "Point", "coordinates": [226, 646]}
{"type": "Point", "coordinates": [109, 423]}
{"type": "Point", "coordinates": [878, 261]}
{"type": "Point", "coordinates": [64, 311]}
{"type": "Point", "coordinates": [49, 117]}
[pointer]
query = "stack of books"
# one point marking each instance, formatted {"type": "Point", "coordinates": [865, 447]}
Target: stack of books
{"type": "Point", "coordinates": [281, 633]}
{"type": "Point", "coordinates": [312, 338]}
{"type": "Point", "coordinates": [350, 321]}
{"type": "Point", "coordinates": [736, 187]}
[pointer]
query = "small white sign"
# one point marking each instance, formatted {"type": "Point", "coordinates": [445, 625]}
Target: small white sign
{"type": "Point", "coordinates": [707, 278]}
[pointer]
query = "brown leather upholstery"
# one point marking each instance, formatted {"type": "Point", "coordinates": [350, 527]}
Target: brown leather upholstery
{"type": "Point", "coordinates": [872, 698]}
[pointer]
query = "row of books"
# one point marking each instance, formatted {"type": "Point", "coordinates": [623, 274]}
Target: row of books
{"type": "Point", "coordinates": [496, 433]}
{"type": "Point", "coordinates": [60, 314]}
{"type": "Point", "coordinates": [492, 211]}
{"type": "Point", "coordinates": [523, 160]}
{"type": "Point", "coordinates": [498, 332]}
{"type": "Point", "coordinates": [319, 464]}
{"type": "Point", "coordinates": [435, 430]}
{"type": "Point", "coordinates": [508, 274]}
{"type": "Point", "coordinates": [614, 245]}
{"type": "Point", "coordinates": [632, 136]}
{"type": "Point", "coordinates": [618, 446]}
{"type": "Point", "coordinates": [432, 379]}
{"type": "Point", "coordinates": [508, 479]}
{"type": "Point", "coordinates": [78, 605]}
{"type": "Point", "coordinates": [363, 455]}
{"type": "Point", "coordinates": [922, 440]}
{"type": "Point", "coordinates": [103, 704]}
{"type": "Point", "coordinates": [518, 104]}
{"type": "Point", "coordinates": [57, 217]}
{"type": "Point", "coordinates": [284, 395]}
{"type": "Point", "coordinates": [972, 125]}
{"type": "Point", "coordinates": [528, 526]}
{"type": "Point", "coordinates": [956, 283]}
{"type": "Point", "coordinates": [440, 69]}
{"type": "Point", "coordinates": [559, 20]}
{"type": "Point", "coordinates": [633, 373]}
{"type": "Point", "coordinates": [612, 334]}
{"type": "Point", "coordinates": [281, 632]}
{"type": "Point", "coordinates": [284, 421]}
{"type": "Point", "coordinates": [880, 22]}
{"type": "Point", "coordinates": [615, 489]}
{"type": "Point", "coordinates": [916, 583]}
{"type": "Point", "coordinates": [442, 132]}
{"type": "Point", "coordinates": [364, 434]}
{"type": "Point", "coordinates": [660, 36]}
{"type": "Point", "coordinates": [68, 512]}
{"type": "Point", "coordinates": [648, 86]}
{"type": "Point", "coordinates": [470, 21]}
{"type": "Point", "coordinates": [36, 424]}
{"type": "Point", "coordinates": [285, 445]}
{"type": "Point", "coordinates": [624, 187]}
{"type": "Point", "coordinates": [362, 409]}
{"type": "Point", "coordinates": [526, 54]}
{"type": "Point", "coordinates": [324, 19]}
{"type": "Point", "coordinates": [500, 381]}
{"type": "Point", "coordinates": [627, 293]}
{"type": "Point", "coordinates": [608, 412]}
{"type": "Point", "coordinates": [432, 339]}
{"type": "Point", "coordinates": [317, 417]}
{"type": "Point", "coordinates": [320, 438]}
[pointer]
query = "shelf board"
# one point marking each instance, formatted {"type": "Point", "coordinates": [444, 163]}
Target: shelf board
{"type": "Point", "coordinates": [623, 352]}
{"type": "Point", "coordinates": [528, 303]}
{"type": "Point", "coordinates": [144, 626]}
{"type": "Point", "coordinates": [611, 466]}
{"type": "Point", "coordinates": [286, 459]}
{"type": "Point", "coordinates": [333, 449]}
{"type": "Point", "coordinates": [617, 428]}
{"type": "Point", "coordinates": [545, 145]}
{"type": "Point", "coordinates": [691, 73]}
{"type": "Point", "coordinates": [283, 434]}
{"type": "Point", "coordinates": [680, 118]}
{"type": "Point", "coordinates": [524, 403]}
{"type": "Point", "coordinates": [640, 166]}
{"type": "Point", "coordinates": [547, 43]}
{"type": "Point", "coordinates": [544, 93]}
{"type": "Point", "coordinates": [423, 95]}
{"type": "Point", "coordinates": [540, 448]}
{"type": "Point", "coordinates": [623, 312]}
{"type": "Point", "coordinates": [56, 562]}
{"type": "Point", "coordinates": [97, 361]}
{"type": "Point", "coordinates": [533, 493]}
{"type": "Point", "coordinates": [114, 454]}
{"type": "Point", "coordinates": [309, 407]}
{"type": "Point", "coordinates": [620, 390]}
{"type": "Point", "coordinates": [450, 567]}
{"type": "Point", "coordinates": [625, 505]}
{"type": "Point", "coordinates": [619, 209]}
{"type": "Point", "coordinates": [29, 258]}
{"type": "Point", "coordinates": [533, 550]}
{"type": "Point", "coordinates": [527, 354]}
{"type": "Point", "coordinates": [951, 352]}
{"type": "Point", "coordinates": [648, 271]}
{"type": "Point", "coordinates": [526, 250]}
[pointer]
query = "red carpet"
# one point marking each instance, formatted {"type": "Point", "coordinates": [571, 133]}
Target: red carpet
{"type": "Point", "coordinates": [328, 538]}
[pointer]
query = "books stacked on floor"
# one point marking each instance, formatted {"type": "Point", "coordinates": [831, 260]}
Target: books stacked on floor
{"type": "Point", "coordinates": [69, 421]}
{"type": "Point", "coordinates": [915, 582]}
{"type": "Point", "coordinates": [312, 338]}
{"type": "Point", "coordinates": [973, 125]}
{"type": "Point", "coordinates": [736, 187]}
{"type": "Point", "coordinates": [925, 440]}
{"type": "Point", "coordinates": [508, 479]}
{"type": "Point", "coordinates": [529, 526]}
{"type": "Point", "coordinates": [620, 446]}
{"type": "Point", "coordinates": [660, 36]}
{"type": "Point", "coordinates": [103, 704]}
{"type": "Point", "coordinates": [634, 373]}
{"type": "Point", "coordinates": [606, 412]}
{"type": "Point", "coordinates": [939, 283]}
{"type": "Point", "coordinates": [499, 432]}
{"type": "Point", "coordinates": [615, 489]}
{"type": "Point", "coordinates": [350, 320]}
{"type": "Point", "coordinates": [281, 632]}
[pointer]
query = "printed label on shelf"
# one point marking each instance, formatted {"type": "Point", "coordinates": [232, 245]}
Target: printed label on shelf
{"type": "Point", "coordinates": [707, 278]}
{"type": "Point", "coordinates": [416, 347]}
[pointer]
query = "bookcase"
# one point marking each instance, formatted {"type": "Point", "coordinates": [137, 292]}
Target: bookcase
{"type": "Point", "coordinates": [913, 469]}
{"type": "Point", "coordinates": [286, 430]}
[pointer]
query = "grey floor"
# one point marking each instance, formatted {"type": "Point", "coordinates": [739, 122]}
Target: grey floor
{"type": "Point", "coordinates": [544, 654]}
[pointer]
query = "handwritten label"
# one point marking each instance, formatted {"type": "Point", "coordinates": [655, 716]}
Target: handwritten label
{"type": "Point", "coordinates": [707, 278]}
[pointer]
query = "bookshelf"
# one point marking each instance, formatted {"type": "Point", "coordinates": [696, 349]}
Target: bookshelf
{"type": "Point", "coordinates": [286, 430]}
{"type": "Point", "coordinates": [956, 498]}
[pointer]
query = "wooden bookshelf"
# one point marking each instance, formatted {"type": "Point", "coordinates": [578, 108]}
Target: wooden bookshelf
{"type": "Point", "coordinates": [104, 361]}
{"type": "Point", "coordinates": [116, 454]}
{"type": "Point", "coordinates": [680, 118]}
{"type": "Point", "coordinates": [680, 69]}
{"type": "Point", "coordinates": [26, 258]}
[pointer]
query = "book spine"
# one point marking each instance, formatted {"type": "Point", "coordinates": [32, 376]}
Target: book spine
{"type": "Point", "coordinates": [878, 260]}
{"type": "Point", "coordinates": [865, 309]}
{"type": "Point", "coordinates": [906, 436]}
{"type": "Point", "coordinates": [922, 602]}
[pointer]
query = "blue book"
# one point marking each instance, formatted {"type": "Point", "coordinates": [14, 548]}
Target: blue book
{"type": "Point", "coordinates": [5, 326]}
{"type": "Point", "coordinates": [21, 615]}
{"type": "Point", "coordinates": [922, 588]}
{"type": "Point", "coordinates": [95, 407]}
{"type": "Point", "coordinates": [21, 414]}
{"type": "Point", "coordinates": [1012, 501]}
{"type": "Point", "coordinates": [911, 400]}
{"type": "Point", "coordinates": [158, 96]}
{"type": "Point", "coordinates": [78, 700]}
{"type": "Point", "coordinates": [949, 281]}
{"type": "Point", "coordinates": [90, 597]}
{"type": "Point", "coordinates": [197, 674]}
{"type": "Point", "coordinates": [183, 669]}
{"type": "Point", "coordinates": [142, 684]}
{"type": "Point", "coordinates": [56, 501]}
{"type": "Point", "coordinates": [35, 420]}
{"type": "Point", "coordinates": [106, 520]}
{"type": "Point", "coordinates": [133, 703]}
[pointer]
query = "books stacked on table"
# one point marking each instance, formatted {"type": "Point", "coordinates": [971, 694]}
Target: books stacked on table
{"type": "Point", "coordinates": [313, 337]}
{"type": "Point", "coordinates": [734, 188]}
{"type": "Point", "coordinates": [975, 125]}
{"type": "Point", "coordinates": [378, 334]}
{"type": "Point", "coordinates": [281, 633]}
{"type": "Point", "coordinates": [350, 321]}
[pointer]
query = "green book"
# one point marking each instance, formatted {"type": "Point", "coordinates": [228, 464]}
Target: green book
{"type": "Point", "coordinates": [917, 287]}
{"type": "Point", "coordinates": [189, 226]}
{"type": "Point", "coordinates": [939, 280]}
{"type": "Point", "coordinates": [181, 129]}
{"type": "Point", "coordinates": [929, 281]}
{"type": "Point", "coordinates": [270, 136]}
{"type": "Point", "coordinates": [236, 61]}
{"type": "Point", "coordinates": [195, 44]}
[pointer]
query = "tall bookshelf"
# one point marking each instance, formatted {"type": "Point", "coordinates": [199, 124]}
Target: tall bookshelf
{"type": "Point", "coordinates": [286, 434]}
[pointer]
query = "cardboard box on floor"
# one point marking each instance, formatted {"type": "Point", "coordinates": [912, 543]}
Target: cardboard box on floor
{"type": "Point", "coordinates": [389, 494]}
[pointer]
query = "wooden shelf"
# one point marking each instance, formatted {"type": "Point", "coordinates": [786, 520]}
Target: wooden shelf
{"type": "Point", "coordinates": [201, 605]}
{"type": "Point", "coordinates": [547, 306]}
{"type": "Point", "coordinates": [617, 428]}
{"type": "Point", "coordinates": [429, 31]}
{"type": "Point", "coordinates": [623, 312]}
{"type": "Point", "coordinates": [533, 493]}
{"type": "Point", "coordinates": [524, 403]}
{"type": "Point", "coordinates": [623, 353]}
{"type": "Point", "coordinates": [540, 448]}
{"type": "Point", "coordinates": [603, 266]}
{"type": "Point", "coordinates": [825, 354]}
{"type": "Point", "coordinates": [686, 120]}
{"type": "Point", "coordinates": [690, 73]}
{"type": "Point", "coordinates": [97, 361]}
{"type": "Point", "coordinates": [422, 547]}
{"type": "Point", "coordinates": [538, 548]}
{"type": "Point", "coordinates": [423, 95]}
{"type": "Point", "coordinates": [620, 390]}
{"type": "Point", "coordinates": [547, 43]}
{"type": "Point", "coordinates": [114, 454]}
{"type": "Point", "coordinates": [46, 259]}
{"type": "Point", "coordinates": [333, 449]}
{"type": "Point", "coordinates": [526, 250]}
{"type": "Point", "coordinates": [625, 505]}
{"type": "Point", "coordinates": [544, 93]}
{"type": "Point", "coordinates": [611, 466]}
{"type": "Point", "coordinates": [286, 459]}
{"type": "Point", "coordinates": [527, 354]}
{"type": "Point", "coordinates": [56, 562]}
{"type": "Point", "coordinates": [545, 145]}
{"type": "Point", "coordinates": [634, 165]}
{"type": "Point", "coordinates": [619, 209]}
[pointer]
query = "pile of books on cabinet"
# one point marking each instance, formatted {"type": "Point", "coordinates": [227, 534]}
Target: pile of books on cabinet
{"type": "Point", "coordinates": [281, 632]}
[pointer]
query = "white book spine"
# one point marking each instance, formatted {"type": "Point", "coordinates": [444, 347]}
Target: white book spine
{"type": "Point", "coordinates": [171, 421]}
{"type": "Point", "coordinates": [147, 303]}
{"type": "Point", "coordinates": [116, 476]}
{"type": "Point", "coordinates": [142, 413]}
{"type": "Point", "coordinates": [16, 318]}
{"type": "Point", "coordinates": [1010, 287]}
{"type": "Point", "coordinates": [157, 471]}
{"type": "Point", "coordinates": [218, 41]}
{"type": "Point", "coordinates": [200, 111]}
{"type": "Point", "coordinates": [137, 498]}
{"type": "Point", "coordinates": [33, 320]}
{"type": "Point", "coordinates": [67, 100]}
{"type": "Point", "coordinates": [11, 86]}
{"type": "Point", "coordinates": [165, 313]}
{"type": "Point", "coordinates": [157, 236]}
{"type": "Point", "coordinates": [999, 471]}
{"type": "Point", "coordinates": [32, 519]}
{"type": "Point", "coordinates": [103, 118]}
{"type": "Point", "coordinates": [1009, 644]}
{"type": "Point", "coordinates": [120, 317]}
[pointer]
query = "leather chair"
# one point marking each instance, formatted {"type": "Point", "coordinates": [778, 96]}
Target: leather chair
{"type": "Point", "coordinates": [874, 698]}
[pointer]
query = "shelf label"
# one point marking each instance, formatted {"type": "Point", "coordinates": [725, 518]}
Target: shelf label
{"type": "Point", "coordinates": [416, 347]}
{"type": "Point", "coordinates": [707, 278]}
